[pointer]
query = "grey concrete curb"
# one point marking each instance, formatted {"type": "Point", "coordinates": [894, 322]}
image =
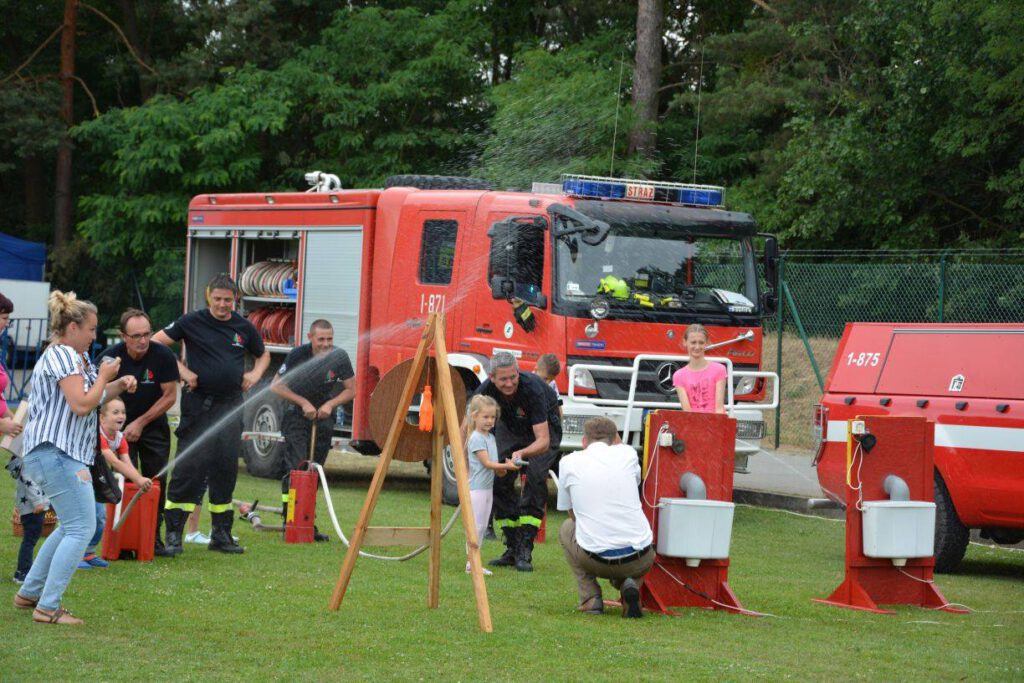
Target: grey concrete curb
{"type": "Point", "coordinates": [781, 501]}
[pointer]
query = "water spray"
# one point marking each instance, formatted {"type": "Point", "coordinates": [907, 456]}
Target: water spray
{"type": "Point", "coordinates": [171, 464]}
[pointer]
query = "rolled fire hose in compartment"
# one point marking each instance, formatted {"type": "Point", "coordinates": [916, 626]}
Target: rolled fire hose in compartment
{"type": "Point", "coordinates": [274, 277]}
{"type": "Point", "coordinates": [275, 324]}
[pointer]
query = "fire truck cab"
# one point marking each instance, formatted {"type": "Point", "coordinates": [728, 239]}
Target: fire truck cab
{"type": "Point", "coordinates": [593, 270]}
{"type": "Point", "coordinates": [966, 379]}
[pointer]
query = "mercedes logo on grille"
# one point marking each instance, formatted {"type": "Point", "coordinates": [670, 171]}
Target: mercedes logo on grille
{"type": "Point", "coordinates": [663, 376]}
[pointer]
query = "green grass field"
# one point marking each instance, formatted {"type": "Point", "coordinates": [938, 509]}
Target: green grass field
{"type": "Point", "coordinates": [263, 616]}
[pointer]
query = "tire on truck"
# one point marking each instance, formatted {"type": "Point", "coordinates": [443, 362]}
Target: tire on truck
{"type": "Point", "coordinates": [437, 182]}
{"type": "Point", "coordinates": [951, 536]}
{"type": "Point", "coordinates": [263, 457]}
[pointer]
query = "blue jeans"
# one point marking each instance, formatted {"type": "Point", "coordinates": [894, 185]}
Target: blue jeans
{"type": "Point", "coordinates": [101, 521]}
{"type": "Point", "coordinates": [71, 497]}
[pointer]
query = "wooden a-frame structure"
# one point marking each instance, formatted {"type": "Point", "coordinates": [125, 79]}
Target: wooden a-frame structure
{"type": "Point", "coordinates": [446, 419]}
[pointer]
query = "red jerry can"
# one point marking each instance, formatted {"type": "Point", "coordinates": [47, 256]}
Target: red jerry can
{"type": "Point", "coordinates": [138, 533]}
{"type": "Point", "coordinates": [298, 526]}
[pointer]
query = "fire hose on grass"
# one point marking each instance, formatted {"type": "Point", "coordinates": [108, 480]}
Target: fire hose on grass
{"type": "Point", "coordinates": [249, 513]}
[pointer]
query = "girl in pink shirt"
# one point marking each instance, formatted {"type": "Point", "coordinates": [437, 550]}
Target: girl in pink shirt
{"type": "Point", "coordinates": [701, 383]}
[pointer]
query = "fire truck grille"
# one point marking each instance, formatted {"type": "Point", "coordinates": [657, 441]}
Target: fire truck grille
{"type": "Point", "coordinates": [616, 385]}
{"type": "Point", "coordinates": [653, 382]}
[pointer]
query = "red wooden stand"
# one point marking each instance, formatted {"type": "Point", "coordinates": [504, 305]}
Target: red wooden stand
{"type": "Point", "coordinates": [138, 533]}
{"type": "Point", "coordinates": [708, 443]}
{"type": "Point", "coordinates": [904, 447]}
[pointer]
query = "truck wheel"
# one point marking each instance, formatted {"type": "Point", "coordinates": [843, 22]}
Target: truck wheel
{"type": "Point", "coordinates": [449, 489]}
{"type": "Point", "coordinates": [951, 536]}
{"type": "Point", "coordinates": [262, 456]}
{"type": "Point", "coordinates": [437, 182]}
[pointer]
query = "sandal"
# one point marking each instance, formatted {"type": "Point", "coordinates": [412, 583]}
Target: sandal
{"type": "Point", "coordinates": [58, 616]}
{"type": "Point", "coordinates": [21, 602]}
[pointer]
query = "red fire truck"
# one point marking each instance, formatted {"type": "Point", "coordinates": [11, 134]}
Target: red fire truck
{"type": "Point", "coordinates": [525, 272]}
{"type": "Point", "coordinates": [967, 380]}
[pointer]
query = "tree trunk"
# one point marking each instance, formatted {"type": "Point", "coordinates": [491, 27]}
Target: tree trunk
{"type": "Point", "coordinates": [131, 30]}
{"type": "Point", "coordinates": [643, 138]}
{"type": "Point", "coordinates": [35, 194]}
{"type": "Point", "coordinates": [63, 214]}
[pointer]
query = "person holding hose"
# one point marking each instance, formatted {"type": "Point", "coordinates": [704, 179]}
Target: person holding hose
{"type": "Point", "coordinates": [529, 430]}
{"type": "Point", "coordinates": [216, 340]}
{"type": "Point", "coordinates": [60, 442]}
{"type": "Point", "coordinates": [146, 431]}
{"type": "Point", "coordinates": [315, 379]}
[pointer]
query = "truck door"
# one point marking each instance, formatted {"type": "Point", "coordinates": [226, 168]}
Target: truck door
{"type": "Point", "coordinates": [427, 252]}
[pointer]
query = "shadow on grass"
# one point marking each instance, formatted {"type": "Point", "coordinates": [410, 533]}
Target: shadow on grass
{"type": "Point", "coordinates": [991, 569]}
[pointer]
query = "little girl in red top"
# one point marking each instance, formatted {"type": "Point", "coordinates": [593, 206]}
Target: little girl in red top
{"type": "Point", "coordinates": [114, 448]}
{"type": "Point", "coordinates": [700, 383]}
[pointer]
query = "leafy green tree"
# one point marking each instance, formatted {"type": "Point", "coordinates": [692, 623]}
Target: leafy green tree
{"type": "Point", "coordinates": [563, 112]}
{"type": "Point", "coordinates": [872, 124]}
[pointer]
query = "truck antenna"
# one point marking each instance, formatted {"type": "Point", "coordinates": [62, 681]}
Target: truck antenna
{"type": "Point", "coordinates": [618, 101]}
{"type": "Point", "coordinates": [696, 139]}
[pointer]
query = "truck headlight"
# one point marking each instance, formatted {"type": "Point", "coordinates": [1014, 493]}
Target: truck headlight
{"type": "Point", "coordinates": [583, 379]}
{"type": "Point", "coordinates": [744, 386]}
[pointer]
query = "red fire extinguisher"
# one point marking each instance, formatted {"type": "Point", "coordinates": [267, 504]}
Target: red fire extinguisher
{"type": "Point", "coordinates": [298, 525]}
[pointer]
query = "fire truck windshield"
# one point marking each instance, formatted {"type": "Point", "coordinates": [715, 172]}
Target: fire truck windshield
{"type": "Point", "coordinates": [658, 269]}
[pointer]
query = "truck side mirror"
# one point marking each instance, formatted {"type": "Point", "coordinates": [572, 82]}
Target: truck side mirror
{"type": "Point", "coordinates": [770, 297]}
{"type": "Point", "coordinates": [771, 261]}
{"type": "Point", "coordinates": [501, 287]}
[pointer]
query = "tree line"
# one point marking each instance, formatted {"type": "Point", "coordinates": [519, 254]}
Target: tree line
{"type": "Point", "coordinates": [863, 124]}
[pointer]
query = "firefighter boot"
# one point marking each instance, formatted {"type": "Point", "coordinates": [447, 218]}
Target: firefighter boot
{"type": "Point", "coordinates": [524, 550]}
{"type": "Point", "coordinates": [174, 520]}
{"type": "Point", "coordinates": [508, 558]}
{"type": "Point", "coordinates": [220, 535]}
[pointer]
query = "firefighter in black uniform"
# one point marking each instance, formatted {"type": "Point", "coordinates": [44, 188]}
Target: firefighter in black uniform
{"type": "Point", "coordinates": [316, 378]}
{"type": "Point", "coordinates": [147, 431]}
{"type": "Point", "coordinates": [529, 429]}
{"type": "Point", "coordinates": [216, 340]}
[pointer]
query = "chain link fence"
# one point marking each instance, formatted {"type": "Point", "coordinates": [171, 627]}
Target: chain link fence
{"type": "Point", "coordinates": [823, 290]}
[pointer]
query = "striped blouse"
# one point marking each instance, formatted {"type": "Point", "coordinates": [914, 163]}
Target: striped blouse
{"type": "Point", "coordinates": [50, 418]}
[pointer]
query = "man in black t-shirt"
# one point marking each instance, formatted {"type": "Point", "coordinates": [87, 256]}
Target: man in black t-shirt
{"type": "Point", "coordinates": [315, 379]}
{"type": "Point", "coordinates": [216, 340]}
{"type": "Point", "coordinates": [146, 430]}
{"type": "Point", "coordinates": [529, 429]}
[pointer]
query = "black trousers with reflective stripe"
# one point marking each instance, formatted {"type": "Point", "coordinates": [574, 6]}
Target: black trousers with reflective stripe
{"type": "Point", "coordinates": [150, 454]}
{"type": "Point", "coordinates": [533, 498]}
{"type": "Point", "coordinates": [208, 449]}
{"type": "Point", "coordinates": [296, 430]}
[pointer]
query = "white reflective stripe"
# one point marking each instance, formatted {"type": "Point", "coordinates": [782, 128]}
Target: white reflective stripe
{"type": "Point", "coordinates": [1006, 439]}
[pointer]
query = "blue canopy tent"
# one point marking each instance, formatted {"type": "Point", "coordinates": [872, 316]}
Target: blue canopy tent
{"type": "Point", "coordinates": [21, 259]}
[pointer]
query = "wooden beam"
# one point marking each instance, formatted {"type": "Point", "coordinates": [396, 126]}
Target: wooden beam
{"type": "Point", "coordinates": [436, 491]}
{"type": "Point", "coordinates": [447, 396]}
{"type": "Point", "coordinates": [359, 533]}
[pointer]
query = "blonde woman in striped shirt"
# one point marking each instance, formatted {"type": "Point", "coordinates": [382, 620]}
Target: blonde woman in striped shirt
{"type": "Point", "coordinates": [60, 443]}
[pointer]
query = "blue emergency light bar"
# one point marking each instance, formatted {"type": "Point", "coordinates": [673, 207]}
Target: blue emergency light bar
{"type": "Point", "coordinates": [597, 187]}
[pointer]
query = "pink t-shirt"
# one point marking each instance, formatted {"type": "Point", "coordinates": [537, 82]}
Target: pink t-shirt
{"type": "Point", "coordinates": [3, 387]}
{"type": "Point", "coordinates": [700, 385]}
